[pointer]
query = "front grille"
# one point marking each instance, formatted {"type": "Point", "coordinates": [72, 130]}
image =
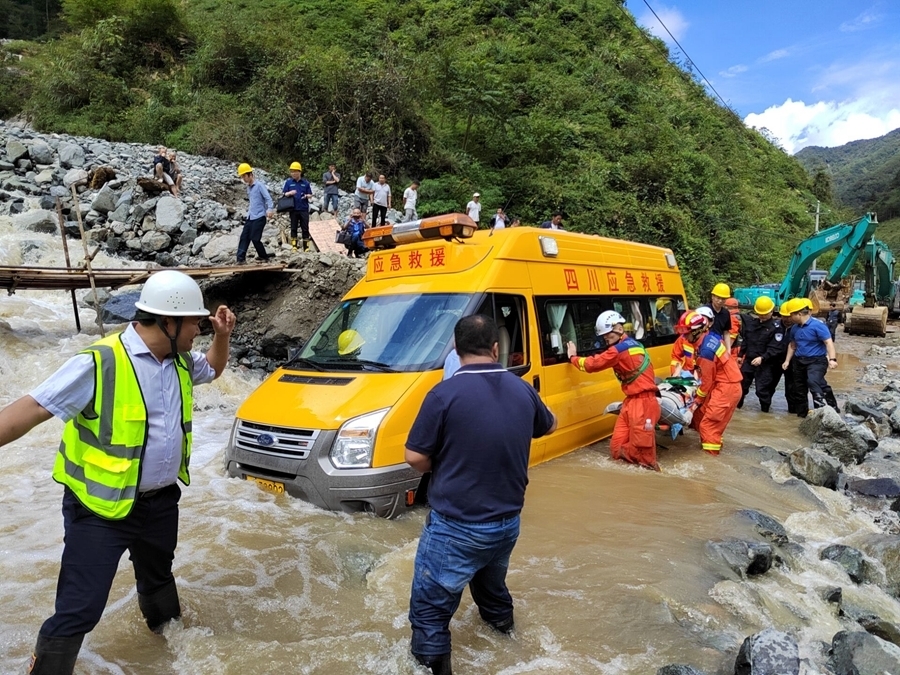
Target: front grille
{"type": "Point", "coordinates": [276, 441]}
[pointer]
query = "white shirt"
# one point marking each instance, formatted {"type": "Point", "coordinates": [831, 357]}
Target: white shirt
{"type": "Point", "coordinates": [70, 389]}
{"type": "Point", "coordinates": [382, 192]}
{"type": "Point", "coordinates": [473, 209]}
{"type": "Point", "coordinates": [411, 197]}
{"type": "Point", "coordinates": [361, 182]}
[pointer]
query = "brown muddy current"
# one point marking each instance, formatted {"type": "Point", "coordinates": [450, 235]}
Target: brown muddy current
{"type": "Point", "coordinates": [610, 575]}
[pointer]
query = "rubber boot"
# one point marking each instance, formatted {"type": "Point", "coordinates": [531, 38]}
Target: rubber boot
{"type": "Point", "coordinates": [294, 243]}
{"type": "Point", "coordinates": [507, 626]}
{"type": "Point", "coordinates": [160, 607]}
{"type": "Point", "coordinates": [306, 245]}
{"type": "Point", "coordinates": [440, 665]}
{"type": "Point", "coordinates": [55, 655]}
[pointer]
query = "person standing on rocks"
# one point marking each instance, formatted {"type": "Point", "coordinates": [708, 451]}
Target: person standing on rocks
{"type": "Point", "coordinates": [365, 188]}
{"type": "Point", "coordinates": [473, 208]}
{"type": "Point", "coordinates": [811, 354]}
{"type": "Point", "coordinates": [261, 209]}
{"type": "Point", "coordinates": [473, 432]}
{"type": "Point", "coordinates": [720, 383]}
{"type": "Point", "coordinates": [127, 404]}
{"type": "Point", "coordinates": [299, 188]}
{"type": "Point", "coordinates": [410, 198]}
{"type": "Point", "coordinates": [381, 201]}
{"type": "Point", "coordinates": [634, 436]}
{"type": "Point", "coordinates": [330, 179]}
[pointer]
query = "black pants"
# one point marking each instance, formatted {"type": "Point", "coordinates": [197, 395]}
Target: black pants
{"type": "Point", "coordinates": [300, 218]}
{"type": "Point", "coordinates": [809, 378]}
{"type": "Point", "coordinates": [766, 381]}
{"type": "Point", "coordinates": [378, 210]}
{"type": "Point", "coordinates": [252, 232]}
{"type": "Point", "coordinates": [93, 547]}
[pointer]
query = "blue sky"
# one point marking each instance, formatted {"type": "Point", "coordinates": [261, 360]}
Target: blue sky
{"type": "Point", "coordinates": [812, 73]}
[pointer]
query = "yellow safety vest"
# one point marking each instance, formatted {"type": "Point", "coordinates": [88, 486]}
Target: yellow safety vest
{"type": "Point", "coordinates": [100, 454]}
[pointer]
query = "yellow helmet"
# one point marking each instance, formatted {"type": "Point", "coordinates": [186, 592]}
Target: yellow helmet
{"type": "Point", "coordinates": [244, 168]}
{"type": "Point", "coordinates": [349, 341]}
{"type": "Point", "coordinates": [794, 305]}
{"type": "Point", "coordinates": [763, 305]}
{"type": "Point", "coordinates": [296, 166]}
{"type": "Point", "coordinates": [806, 303]}
{"type": "Point", "coordinates": [785, 308]}
{"type": "Point", "coordinates": [662, 302]}
{"type": "Point", "coordinates": [721, 290]}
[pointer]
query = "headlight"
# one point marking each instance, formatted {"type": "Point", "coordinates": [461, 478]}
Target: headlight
{"type": "Point", "coordinates": [355, 441]}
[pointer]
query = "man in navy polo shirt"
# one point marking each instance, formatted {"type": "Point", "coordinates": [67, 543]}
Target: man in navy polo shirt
{"type": "Point", "coordinates": [810, 353]}
{"type": "Point", "coordinates": [474, 434]}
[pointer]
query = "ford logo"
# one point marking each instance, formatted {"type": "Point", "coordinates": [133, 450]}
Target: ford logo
{"type": "Point", "coordinates": [265, 440]}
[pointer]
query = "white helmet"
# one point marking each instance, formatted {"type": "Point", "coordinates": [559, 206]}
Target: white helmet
{"type": "Point", "coordinates": [707, 312]}
{"type": "Point", "coordinates": [171, 293]}
{"type": "Point", "coordinates": [607, 320]}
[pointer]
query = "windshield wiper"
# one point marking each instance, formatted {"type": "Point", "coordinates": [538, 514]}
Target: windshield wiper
{"type": "Point", "coordinates": [383, 367]}
{"type": "Point", "coordinates": [360, 364]}
{"type": "Point", "coordinates": [307, 362]}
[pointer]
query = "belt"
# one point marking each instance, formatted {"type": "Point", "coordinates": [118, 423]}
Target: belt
{"type": "Point", "coordinates": [149, 493]}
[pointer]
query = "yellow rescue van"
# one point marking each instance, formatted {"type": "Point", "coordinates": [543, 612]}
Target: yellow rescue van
{"type": "Point", "coordinates": [330, 425]}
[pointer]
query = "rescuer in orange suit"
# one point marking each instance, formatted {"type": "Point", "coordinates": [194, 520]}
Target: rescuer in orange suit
{"type": "Point", "coordinates": [720, 384]}
{"type": "Point", "coordinates": [682, 350]}
{"type": "Point", "coordinates": [634, 436]}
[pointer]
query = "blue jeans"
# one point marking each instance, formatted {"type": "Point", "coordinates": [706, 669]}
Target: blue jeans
{"type": "Point", "coordinates": [451, 555]}
{"type": "Point", "coordinates": [331, 200]}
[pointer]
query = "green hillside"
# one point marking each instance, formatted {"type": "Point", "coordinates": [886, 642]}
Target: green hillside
{"type": "Point", "coordinates": [559, 104]}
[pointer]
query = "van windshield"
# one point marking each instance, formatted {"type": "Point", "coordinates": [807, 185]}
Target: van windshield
{"type": "Point", "coordinates": [387, 333]}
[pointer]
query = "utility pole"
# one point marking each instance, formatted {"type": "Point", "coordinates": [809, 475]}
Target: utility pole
{"type": "Point", "coordinates": [817, 229]}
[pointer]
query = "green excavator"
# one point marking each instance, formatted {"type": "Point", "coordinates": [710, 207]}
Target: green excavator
{"type": "Point", "coordinates": [870, 317]}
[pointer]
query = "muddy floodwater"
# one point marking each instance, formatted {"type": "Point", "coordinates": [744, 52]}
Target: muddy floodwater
{"type": "Point", "coordinates": [611, 573]}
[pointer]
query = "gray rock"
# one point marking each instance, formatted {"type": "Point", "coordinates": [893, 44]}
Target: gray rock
{"type": "Point", "coordinates": [96, 235]}
{"type": "Point", "coordinates": [678, 669]}
{"type": "Point", "coordinates": [25, 164]}
{"type": "Point", "coordinates": [221, 249]}
{"type": "Point", "coordinates": [88, 299]}
{"type": "Point", "coordinates": [41, 153]}
{"type": "Point", "coordinates": [852, 560]}
{"type": "Point", "coordinates": [169, 214]}
{"type": "Point", "coordinates": [767, 526]}
{"type": "Point", "coordinates": [74, 176]}
{"type": "Point", "coordinates": [833, 435]}
{"type": "Point", "coordinates": [120, 308]}
{"type": "Point", "coordinates": [70, 155]}
{"type": "Point", "coordinates": [860, 653]}
{"type": "Point", "coordinates": [856, 407]}
{"type": "Point", "coordinates": [126, 198]}
{"type": "Point", "coordinates": [60, 191]}
{"type": "Point", "coordinates": [155, 241]}
{"type": "Point", "coordinates": [746, 558]}
{"type": "Point", "coordinates": [833, 595]}
{"type": "Point", "coordinates": [120, 214]}
{"type": "Point", "coordinates": [870, 487]}
{"type": "Point", "coordinates": [769, 652]}
{"type": "Point", "coordinates": [15, 150]}
{"type": "Point", "coordinates": [885, 548]}
{"type": "Point", "coordinates": [188, 237]}
{"type": "Point", "coordinates": [105, 200]}
{"type": "Point", "coordinates": [202, 241]}
{"type": "Point", "coordinates": [37, 221]}
{"type": "Point", "coordinates": [815, 467]}
{"type": "Point", "coordinates": [142, 209]}
{"type": "Point", "coordinates": [44, 177]}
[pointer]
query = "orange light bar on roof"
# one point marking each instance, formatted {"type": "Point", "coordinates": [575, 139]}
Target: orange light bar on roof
{"type": "Point", "coordinates": [448, 226]}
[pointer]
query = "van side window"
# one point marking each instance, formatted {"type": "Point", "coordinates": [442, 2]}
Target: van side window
{"type": "Point", "coordinates": [651, 320]}
{"type": "Point", "coordinates": [508, 311]}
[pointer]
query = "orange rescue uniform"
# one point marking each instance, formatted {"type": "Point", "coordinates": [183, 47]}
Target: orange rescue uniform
{"type": "Point", "coordinates": [682, 356]}
{"type": "Point", "coordinates": [718, 393]}
{"type": "Point", "coordinates": [634, 436]}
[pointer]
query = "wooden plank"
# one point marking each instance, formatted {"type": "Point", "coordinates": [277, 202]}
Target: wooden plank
{"type": "Point", "coordinates": [322, 233]}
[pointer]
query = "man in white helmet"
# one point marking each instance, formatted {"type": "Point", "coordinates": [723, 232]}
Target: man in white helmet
{"type": "Point", "coordinates": [127, 403]}
{"type": "Point", "coordinates": [634, 436]}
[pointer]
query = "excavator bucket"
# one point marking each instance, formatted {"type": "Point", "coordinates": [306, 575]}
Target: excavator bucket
{"type": "Point", "coordinates": [867, 321]}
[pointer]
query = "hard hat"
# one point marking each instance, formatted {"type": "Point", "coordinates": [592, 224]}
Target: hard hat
{"type": "Point", "coordinates": [681, 324]}
{"type": "Point", "coordinates": [763, 305]}
{"type": "Point", "coordinates": [662, 302]}
{"type": "Point", "coordinates": [794, 305]}
{"type": "Point", "coordinates": [785, 308]}
{"type": "Point", "coordinates": [706, 312]}
{"type": "Point", "coordinates": [732, 303]}
{"type": "Point", "coordinates": [696, 321]}
{"type": "Point", "coordinates": [171, 293]}
{"type": "Point", "coordinates": [349, 341]}
{"type": "Point", "coordinates": [295, 166]}
{"type": "Point", "coordinates": [806, 303]}
{"type": "Point", "coordinates": [721, 290]}
{"type": "Point", "coordinates": [244, 168]}
{"type": "Point", "coordinates": [607, 320]}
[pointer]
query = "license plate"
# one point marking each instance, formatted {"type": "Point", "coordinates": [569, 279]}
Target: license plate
{"type": "Point", "coordinates": [267, 485]}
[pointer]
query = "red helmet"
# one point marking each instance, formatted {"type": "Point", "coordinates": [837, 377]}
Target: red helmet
{"type": "Point", "coordinates": [680, 325]}
{"type": "Point", "coordinates": [696, 322]}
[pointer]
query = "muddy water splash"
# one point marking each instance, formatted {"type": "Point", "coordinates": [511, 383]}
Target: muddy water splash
{"type": "Point", "coordinates": [610, 575]}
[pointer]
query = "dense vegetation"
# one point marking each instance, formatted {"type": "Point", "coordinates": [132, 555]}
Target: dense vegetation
{"type": "Point", "coordinates": [538, 105]}
{"type": "Point", "coordinates": [866, 177]}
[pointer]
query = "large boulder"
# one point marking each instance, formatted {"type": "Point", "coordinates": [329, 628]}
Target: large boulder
{"type": "Point", "coordinates": [815, 467]}
{"type": "Point", "coordinates": [870, 487]}
{"type": "Point", "coordinates": [746, 558]}
{"type": "Point", "coordinates": [70, 155]}
{"type": "Point", "coordinates": [105, 200]}
{"type": "Point", "coordinates": [222, 249]}
{"type": "Point", "coordinates": [41, 153]}
{"type": "Point", "coordinates": [169, 214]}
{"type": "Point", "coordinates": [860, 653]}
{"type": "Point", "coordinates": [885, 548]}
{"type": "Point", "coordinates": [75, 176]}
{"type": "Point", "coordinates": [120, 308]}
{"type": "Point", "coordinates": [15, 150]}
{"type": "Point", "coordinates": [769, 652]}
{"type": "Point", "coordinates": [833, 435]}
{"type": "Point", "coordinates": [767, 526]}
{"type": "Point", "coordinates": [155, 241]}
{"type": "Point", "coordinates": [852, 560]}
{"type": "Point", "coordinates": [39, 220]}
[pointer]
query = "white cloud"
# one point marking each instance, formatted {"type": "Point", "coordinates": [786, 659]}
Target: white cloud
{"type": "Point", "coordinates": [670, 16]}
{"type": "Point", "coordinates": [865, 20]}
{"type": "Point", "coordinates": [828, 123]}
{"type": "Point", "coordinates": [775, 55]}
{"type": "Point", "coordinates": [734, 70]}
